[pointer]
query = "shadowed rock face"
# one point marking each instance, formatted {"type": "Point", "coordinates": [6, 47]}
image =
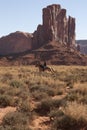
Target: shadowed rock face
{"type": "Point", "coordinates": [56, 27]}
{"type": "Point", "coordinates": [71, 31]}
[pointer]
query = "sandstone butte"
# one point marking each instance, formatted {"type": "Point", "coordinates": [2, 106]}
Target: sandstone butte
{"type": "Point", "coordinates": [53, 41]}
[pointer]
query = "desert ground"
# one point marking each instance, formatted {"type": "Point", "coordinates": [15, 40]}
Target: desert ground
{"type": "Point", "coordinates": [33, 100]}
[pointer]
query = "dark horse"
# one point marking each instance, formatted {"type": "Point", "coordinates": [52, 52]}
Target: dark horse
{"type": "Point", "coordinates": [43, 67]}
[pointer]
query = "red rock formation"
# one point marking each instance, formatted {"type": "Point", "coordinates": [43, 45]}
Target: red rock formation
{"type": "Point", "coordinates": [56, 27]}
{"type": "Point", "coordinates": [15, 43]}
{"type": "Point", "coordinates": [71, 31]}
{"type": "Point", "coordinates": [50, 22]}
{"type": "Point", "coordinates": [38, 38]}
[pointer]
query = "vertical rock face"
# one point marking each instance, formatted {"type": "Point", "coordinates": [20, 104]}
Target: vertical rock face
{"type": "Point", "coordinates": [38, 38]}
{"type": "Point", "coordinates": [50, 22]}
{"type": "Point", "coordinates": [55, 27]}
{"type": "Point", "coordinates": [71, 31]}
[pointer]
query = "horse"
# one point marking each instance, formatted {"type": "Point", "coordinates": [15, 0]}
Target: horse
{"type": "Point", "coordinates": [43, 67]}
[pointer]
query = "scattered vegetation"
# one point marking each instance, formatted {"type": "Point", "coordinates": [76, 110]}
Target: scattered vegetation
{"type": "Point", "coordinates": [60, 96]}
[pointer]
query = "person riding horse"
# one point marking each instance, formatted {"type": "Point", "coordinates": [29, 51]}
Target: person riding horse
{"type": "Point", "coordinates": [43, 67]}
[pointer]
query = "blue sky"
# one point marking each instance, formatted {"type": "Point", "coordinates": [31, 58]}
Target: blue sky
{"type": "Point", "coordinates": [25, 15]}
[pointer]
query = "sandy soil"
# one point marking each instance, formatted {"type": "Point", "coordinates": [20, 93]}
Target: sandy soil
{"type": "Point", "coordinates": [40, 123]}
{"type": "Point", "coordinates": [4, 111]}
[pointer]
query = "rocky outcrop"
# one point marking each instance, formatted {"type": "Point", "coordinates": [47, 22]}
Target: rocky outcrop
{"type": "Point", "coordinates": [38, 39]}
{"type": "Point", "coordinates": [83, 46]}
{"type": "Point", "coordinates": [55, 27]}
{"type": "Point", "coordinates": [15, 43]}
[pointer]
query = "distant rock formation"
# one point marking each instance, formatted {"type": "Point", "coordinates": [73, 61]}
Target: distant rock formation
{"type": "Point", "coordinates": [56, 27]}
{"type": "Point", "coordinates": [15, 43]}
{"type": "Point", "coordinates": [53, 41]}
{"type": "Point", "coordinates": [83, 46]}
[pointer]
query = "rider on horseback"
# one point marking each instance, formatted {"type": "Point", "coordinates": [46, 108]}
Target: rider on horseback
{"type": "Point", "coordinates": [44, 65]}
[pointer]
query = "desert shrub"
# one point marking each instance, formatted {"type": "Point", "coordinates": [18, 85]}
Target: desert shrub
{"type": "Point", "coordinates": [70, 80]}
{"type": "Point", "coordinates": [75, 117]}
{"type": "Point", "coordinates": [55, 113]}
{"type": "Point", "coordinates": [42, 91]}
{"type": "Point", "coordinates": [24, 94]}
{"type": "Point", "coordinates": [14, 128]}
{"type": "Point", "coordinates": [10, 96]}
{"type": "Point", "coordinates": [51, 92]}
{"type": "Point", "coordinates": [58, 102]}
{"type": "Point", "coordinates": [81, 88]}
{"type": "Point", "coordinates": [6, 100]}
{"type": "Point", "coordinates": [4, 89]}
{"type": "Point", "coordinates": [16, 83]}
{"type": "Point", "coordinates": [72, 96]}
{"type": "Point", "coordinates": [34, 88]}
{"type": "Point", "coordinates": [48, 104]}
{"type": "Point", "coordinates": [43, 108]}
{"type": "Point", "coordinates": [16, 121]}
{"type": "Point", "coordinates": [10, 91]}
{"type": "Point", "coordinates": [84, 99]}
{"type": "Point", "coordinates": [6, 77]}
{"type": "Point", "coordinates": [5, 128]}
{"type": "Point", "coordinates": [25, 107]}
{"type": "Point", "coordinates": [13, 91]}
{"type": "Point", "coordinates": [69, 123]}
{"type": "Point", "coordinates": [46, 89]}
{"type": "Point", "coordinates": [39, 95]}
{"type": "Point", "coordinates": [81, 74]}
{"type": "Point", "coordinates": [79, 93]}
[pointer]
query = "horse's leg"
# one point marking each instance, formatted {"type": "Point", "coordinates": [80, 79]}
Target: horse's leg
{"type": "Point", "coordinates": [50, 69]}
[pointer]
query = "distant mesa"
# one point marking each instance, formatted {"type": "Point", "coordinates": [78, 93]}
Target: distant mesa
{"type": "Point", "coordinates": [83, 46]}
{"type": "Point", "coordinates": [54, 41]}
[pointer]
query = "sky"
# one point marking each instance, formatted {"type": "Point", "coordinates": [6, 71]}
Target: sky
{"type": "Point", "coordinates": [25, 15]}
